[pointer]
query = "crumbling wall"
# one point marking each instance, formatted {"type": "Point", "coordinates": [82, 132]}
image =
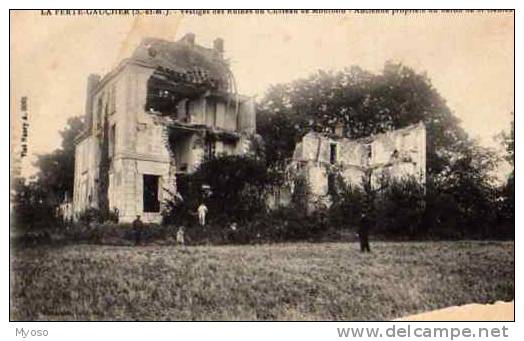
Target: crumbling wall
{"type": "Point", "coordinates": [395, 154]}
{"type": "Point", "coordinates": [400, 153]}
{"type": "Point", "coordinates": [353, 175]}
{"type": "Point", "coordinates": [317, 177]}
{"type": "Point", "coordinates": [354, 154]}
{"type": "Point", "coordinates": [138, 147]}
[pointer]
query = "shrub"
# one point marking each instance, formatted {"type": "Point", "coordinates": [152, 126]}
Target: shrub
{"type": "Point", "coordinates": [348, 205]}
{"type": "Point", "coordinates": [94, 215]}
{"type": "Point", "coordinates": [399, 207]}
{"type": "Point", "coordinates": [506, 209]}
{"type": "Point", "coordinates": [232, 187]}
{"type": "Point", "coordinates": [31, 208]}
{"type": "Point", "coordinates": [301, 196]}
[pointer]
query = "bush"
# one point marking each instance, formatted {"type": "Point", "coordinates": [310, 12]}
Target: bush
{"type": "Point", "coordinates": [32, 210]}
{"type": "Point", "coordinates": [442, 217]}
{"type": "Point", "coordinates": [506, 209]}
{"type": "Point", "coordinates": [301, 196]}
{"type": "Point", "coordinates": [399, 207]}
{"type": "Point", "coordinates": [348, 206]}
{"type": "Point", "coordinates": [94, 215]}
{"type": "Point", "coordinates": [232, 187]}
{"type": "Point", "coordinates": [283, 225]}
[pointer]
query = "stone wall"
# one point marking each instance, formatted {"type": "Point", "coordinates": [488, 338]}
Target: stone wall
{"type": "Point", "coordinates": [138, 140]}
{"type": "Point", "coordinates": [138, 147]}
{"type": "Point", "coordinates": [395, 154]}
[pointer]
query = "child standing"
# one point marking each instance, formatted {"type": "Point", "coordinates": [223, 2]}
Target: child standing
{"type": "Point", "coordinates": [202, 211]}
{"type": "Point", "coordinates": [180, 236]}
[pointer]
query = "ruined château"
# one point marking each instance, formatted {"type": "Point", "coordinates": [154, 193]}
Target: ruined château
{"type": "Point", "coordinates": [159, 113]}
{"type": "Point", "coordinates": [172, 105]}
{"type": "Point", "coordinates": [321, 157]}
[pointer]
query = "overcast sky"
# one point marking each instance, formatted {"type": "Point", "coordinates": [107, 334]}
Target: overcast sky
{"type": "Point", "coordinates": [469, 57]}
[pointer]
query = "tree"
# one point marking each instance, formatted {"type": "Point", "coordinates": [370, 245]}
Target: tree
{"type": "Point", "coordinates": [399, 207]}
{"type": "Point", "coordinates": [364, 103]}
{"type": "Point", "coordinates": [233, 188]}
{"type": "Point", "coordinates": [508, 141]}
{"type": "Point", "coordinates": [506, 197]}
{"type": "Point", "coordinates": [301, 194]}
{"type": "Point", "coordinates": [31, 209]}
{"type": "Point", "coordinates": [349, 203]}
{"type": "Point", "coordinates": [35, 202]}
{"type": "Point", "coordinates": [57, 169]}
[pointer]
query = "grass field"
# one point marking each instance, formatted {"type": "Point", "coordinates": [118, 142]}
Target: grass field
{"type": "Point", "coordinates": [331, 281]}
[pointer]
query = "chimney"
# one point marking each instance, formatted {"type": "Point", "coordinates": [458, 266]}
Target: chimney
{"type": "Point", "coordinates": [189, 38]}
{"type": "Point", "coordinates": [339, 130]}
{"type": "Point", "coordinates": [218, 45]}
{"type": "Point", "coordinates": [92, 83]}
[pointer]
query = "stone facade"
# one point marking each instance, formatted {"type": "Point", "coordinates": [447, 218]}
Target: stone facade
{"type": "Point", "coordinates": [395, 154]}
{"type": "Point", "coordinates": [159, 113]}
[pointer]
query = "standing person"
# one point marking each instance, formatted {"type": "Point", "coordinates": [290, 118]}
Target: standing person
{"type": "Point", "coordinates": [202, 211]}
{"type": "Point", "coordinates": [363, 232]}
{"type": "Point", "coordinates": [138, 226]}
{"type": "Point", "coordinates": [116, 214]}
{"type": "Point", "coordinates": [180, 236]}
{"type": "Point", "coordinates": [232, 234]}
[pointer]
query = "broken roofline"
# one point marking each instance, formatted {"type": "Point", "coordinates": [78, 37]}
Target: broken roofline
{"type": "Point", "coordinates": [123, 63]}
{"type": "Point", "coordinates": [363, 140]}
{"type": "Point", "coordinates": [129, 61]}
{"type": "Point", "coordinates": [370, 138]}
{"type": "Point", "coordinates": [134, 59]}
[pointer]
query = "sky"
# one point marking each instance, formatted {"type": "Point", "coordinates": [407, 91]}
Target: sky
{"type": "Point", "coordinates": [468, 57]}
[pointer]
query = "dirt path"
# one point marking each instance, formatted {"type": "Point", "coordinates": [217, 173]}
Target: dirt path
{"type": "Point", "coordinates": [499, 311]}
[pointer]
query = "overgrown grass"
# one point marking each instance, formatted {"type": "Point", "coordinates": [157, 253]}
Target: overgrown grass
{"type": "Point", "coordinates": [328, 281]}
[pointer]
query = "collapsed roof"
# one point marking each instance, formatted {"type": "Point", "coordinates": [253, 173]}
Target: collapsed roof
{"type": "Point", "coordinates": [183, 61]}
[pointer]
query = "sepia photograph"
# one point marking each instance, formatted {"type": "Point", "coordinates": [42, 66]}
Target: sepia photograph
{"type": "Point", "coordinates": [262, 165]}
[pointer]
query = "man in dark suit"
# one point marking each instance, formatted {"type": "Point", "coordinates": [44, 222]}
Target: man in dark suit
{"type": "Point", "coordinates": [363, 234]}
{"type": "Point", "coordinates": [138, 226]}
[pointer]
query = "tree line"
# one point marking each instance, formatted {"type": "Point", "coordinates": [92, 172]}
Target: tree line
{"type": "Point", "coordinates": [461, 199]}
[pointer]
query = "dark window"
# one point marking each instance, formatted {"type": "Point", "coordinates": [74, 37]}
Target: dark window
{"type": "Point", "coordinates": [229, 147]}
{"type": "Point", "coordinates": [151, 203]}
{"type": "Point", "coordinates": [331, 183]}
{"type": "Point", "coordinates": [210, 149]}
{"type": "Point", "coordinates": [161, 96]}
{"type": "Point", "coordinates": [370, 151]}
{"type": "Point", "coordinates": [333, 153]}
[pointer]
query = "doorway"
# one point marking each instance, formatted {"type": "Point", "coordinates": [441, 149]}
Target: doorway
{"type": "Point", "coordinates": [151, 202]}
